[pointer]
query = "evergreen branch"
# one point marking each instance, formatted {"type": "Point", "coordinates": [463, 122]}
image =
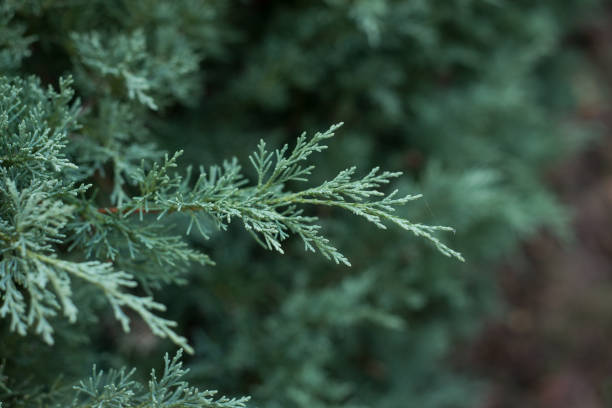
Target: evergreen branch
{"type": "Point", "coordinates": [131, 244]}
{"type": "Point", "coordinates": [34, 133]}
{"type": "Point", "coordinates": [28, 264]}
{"type": "Point", "coordinates": [117, 388]}
{"type": "Point", "coordinates": [287, 168]}
{"type": "Point", "coordinates": [266, 210]}
{"type": "Point", "coordinates": [112, 283]}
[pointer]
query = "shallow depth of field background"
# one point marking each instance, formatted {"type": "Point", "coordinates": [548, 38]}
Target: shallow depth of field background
{"type": "Point", "coordinates": [550, 347]}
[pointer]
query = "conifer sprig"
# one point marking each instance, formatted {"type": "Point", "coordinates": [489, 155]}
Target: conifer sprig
{"type": "Point", "coordinates": [267, 210]}
{"type": "Point", "coordinates": [28, 262]}
{"type": "Point", "coordinates": [170, 390]}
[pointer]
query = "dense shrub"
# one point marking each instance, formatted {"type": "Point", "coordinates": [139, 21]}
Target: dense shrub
{"type": "Point", "coordinates": [462, 96]}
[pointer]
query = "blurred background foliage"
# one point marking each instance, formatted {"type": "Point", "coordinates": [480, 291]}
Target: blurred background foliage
{"type": "Point", "coordinates": [474, 100]}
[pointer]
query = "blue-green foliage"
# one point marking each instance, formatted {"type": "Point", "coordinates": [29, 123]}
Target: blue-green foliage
{"type": "Point", "coordinates": [96, 210]}
{"type": "Point", "coordinates": [117, 388]}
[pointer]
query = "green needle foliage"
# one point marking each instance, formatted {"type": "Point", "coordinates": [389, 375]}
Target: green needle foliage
{"type": "Point", "coordinates": [44, 207]}
{"type": "Point", "coordinates": [117, 388]}
{"type": "Point", "coordinates": [110, 243]}
{"type": "Point", "coordinates": [268, 211]}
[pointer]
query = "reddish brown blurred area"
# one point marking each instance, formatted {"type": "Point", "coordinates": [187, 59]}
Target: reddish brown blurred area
{"type": "Point", "coordinates": [553, 346]}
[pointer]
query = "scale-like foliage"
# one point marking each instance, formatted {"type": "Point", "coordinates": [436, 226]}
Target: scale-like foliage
{"type": "Point", "coordinates": [117, 388]}
{"type": "Point", "coordinates": [45, 204]}
{"type": "Point", "coordinates": [93, 212]}
{"type": "Point", "coordinates": [37, 216]}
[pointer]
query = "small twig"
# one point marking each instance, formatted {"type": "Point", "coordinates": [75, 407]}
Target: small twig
{"type": "Point", "coordinates": [115, 210]}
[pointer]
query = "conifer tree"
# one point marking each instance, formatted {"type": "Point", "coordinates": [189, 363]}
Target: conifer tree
{"type": "Point", "coordinates": [154, 154]}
